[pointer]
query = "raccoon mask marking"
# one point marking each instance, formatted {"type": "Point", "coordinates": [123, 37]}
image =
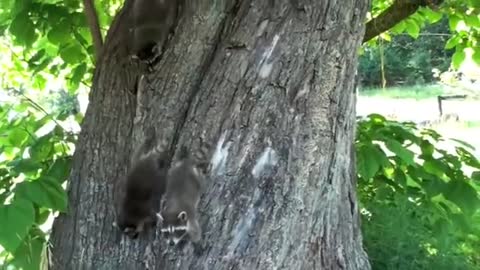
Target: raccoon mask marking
{"type": "Point", "coordinates": [174, 228]}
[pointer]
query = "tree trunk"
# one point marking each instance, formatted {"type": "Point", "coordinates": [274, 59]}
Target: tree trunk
{"type": "Point", "coordinates": [270, 85]}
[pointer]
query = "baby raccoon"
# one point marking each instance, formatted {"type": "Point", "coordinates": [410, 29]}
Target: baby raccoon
{"type": "Point", "coordinates": [185, 183]}
{"type": "Point", "coordinates": [152, 22]}
{"type": "Point", "coordinates": [144, 186]}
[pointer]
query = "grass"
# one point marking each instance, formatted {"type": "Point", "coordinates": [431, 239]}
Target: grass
{"type": "Point", "coordinates": [472, 124]}
{"type": "Point", "coordinates": [413, 92]}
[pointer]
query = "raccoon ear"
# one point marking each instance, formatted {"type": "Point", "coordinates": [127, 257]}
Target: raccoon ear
{"type": "Point", "coordinates": [182, 216]}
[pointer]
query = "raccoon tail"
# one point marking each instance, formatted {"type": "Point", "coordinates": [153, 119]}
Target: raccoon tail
{"type": "Point", "coordinates": [151, 146]}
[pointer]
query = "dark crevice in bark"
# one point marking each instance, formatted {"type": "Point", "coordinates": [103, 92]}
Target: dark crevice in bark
{"type": "Point", "coordinates": [197, 85]}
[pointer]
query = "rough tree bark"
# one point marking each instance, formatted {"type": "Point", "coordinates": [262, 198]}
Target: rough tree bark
{"type": "Point", "coordinates": [271, 85]}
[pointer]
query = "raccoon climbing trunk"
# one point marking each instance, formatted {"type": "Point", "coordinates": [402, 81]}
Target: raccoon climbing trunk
{"type": "Point", "coordinates": [270, 85]}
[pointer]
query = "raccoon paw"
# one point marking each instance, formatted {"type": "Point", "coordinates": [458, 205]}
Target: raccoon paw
{"type": "Point", "coordinates": [198, 248]}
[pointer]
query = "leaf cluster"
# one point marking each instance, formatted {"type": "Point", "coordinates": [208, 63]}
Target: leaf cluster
{"type": "Point", "coordinates": [464, 22]}
{"type": "Point", "coordinates": [417, 193]}
{"type": "Point", "coordinates": [50, 38]}
{"type": "Point", "coordinates": [34, 165]}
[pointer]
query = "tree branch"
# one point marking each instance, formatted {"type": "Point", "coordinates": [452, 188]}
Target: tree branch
{"type": "Point", "coordinates": [92, 20]}
{"type": "Point", "coordinates": [394, 14]}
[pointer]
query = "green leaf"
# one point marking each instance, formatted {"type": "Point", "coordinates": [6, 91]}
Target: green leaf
{"type": "Point", "coordinates": [42, 65]}
{"type": "Point", "coordinates": [458, 57]}
{"type": "Point", "coordinates": [476, 176]}
{"type": "Point", "coordinates": [59, 170]}
{"type": "Point", "coordinates": [42, 148]}
{"type": "Point", "coordinates": [432, 16]}
{"type": "Point", "coordinates": [15, 222]}
{"type": "Point", "coordinates": [26, 165]}
{"type": "Point", "coordinates": [367, 164]}
{"type": "Point", "coordinates": [402, 152]}
{"type": "Point", "coordinates": [400, 178]}
{"type": "Point", "coordinates": [398, 28]}
{"type": "Point", "coordinates": [453, 21]}
{"type": "Point", "coordinates": [436, 167]}
{"type": "Point", "coordinates": [472, 20]}
{"type": "Point", "coordinates": [23, 28]}
{"type": "Point", "coordinates": [412, 28]}
{"type": "Point", "coordinates": [36, 57]}
{"type": "Point", "coordinates": [464, 143]}
{"type": "Point", "coordinates": [29, 255]}
{"type": "Point", "coordinates": [59, 34]}
{"type": "Point", "coordinates": [370, 159]}
{"type": "Point", "coordinates": [21, 5]}
{"type": "Point", "coordinates": [467, 157]}
{"type": "Point", "coordinates": [377, 118]}
{"type": "Point", "coordinates": [452, 42]}
{"type": "Point", "coordinates": [44, 192]}
{"type": "Point", "coordinates": [474, 3]}
{"type": "Point", "coordinates": [42, 215]}
{"type": "Point", "coordinates": [72, 54]}
{"type": "Point", "coordinates": [17, 137]}
{"type": "Point", "coordinates": [463, 195]}
{"type": "Point", "coordinates": [427, 148]}
{"type": "Point", "coordinates": [78, 73]}
{"type": "Point", "coordinates": [433, 187]}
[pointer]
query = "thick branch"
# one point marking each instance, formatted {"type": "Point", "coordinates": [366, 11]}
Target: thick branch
{"type": "Point", "coordinates": [394, 14]}
{"type": "Point", "coordinates": [92, 19]}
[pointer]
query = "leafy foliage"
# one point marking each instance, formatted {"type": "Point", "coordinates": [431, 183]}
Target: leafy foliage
{"type": "Point", "coordinates": [464, 22]}
{"type": "Point", "coordinates": [407, 61]}
{"type": "Point", "coordinates": [50, 38]}
{"type": "Point", "coordinates": [34, 163]}
{"type": "Point", "coordinates": [420, 208]}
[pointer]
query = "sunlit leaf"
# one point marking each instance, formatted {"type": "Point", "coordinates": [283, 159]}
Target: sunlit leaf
{"type": "Point", "coordinates": [458, 58]}
{"type": "Point", "coordinates": [412, 28]}
{"type": "Point", "coordinates": [452, 42]}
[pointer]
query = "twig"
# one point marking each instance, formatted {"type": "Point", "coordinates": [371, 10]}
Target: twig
{"type": "Point", "coordinates": [93, 24]}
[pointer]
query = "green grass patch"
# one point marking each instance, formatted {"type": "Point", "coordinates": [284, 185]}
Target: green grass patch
{"type": "Point", "coordinates": [472, 124]}
{"type": "Point", "coordinates": [413, 92]}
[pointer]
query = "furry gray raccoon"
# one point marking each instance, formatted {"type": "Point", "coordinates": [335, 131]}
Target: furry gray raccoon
{"type": "Point", "coordinates": [185, 183]}
{"type": "Point", "coordinates": [144, 186]}
{"type": "Point", "coordinates": [152, 21]}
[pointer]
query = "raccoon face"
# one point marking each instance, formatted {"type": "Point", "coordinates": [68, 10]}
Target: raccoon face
{"type": "Point", "coordinates": [174, 227]}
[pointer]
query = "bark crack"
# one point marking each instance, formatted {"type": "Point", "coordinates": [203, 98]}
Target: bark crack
{"type": "Point", "coordinates": [196, 86]}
